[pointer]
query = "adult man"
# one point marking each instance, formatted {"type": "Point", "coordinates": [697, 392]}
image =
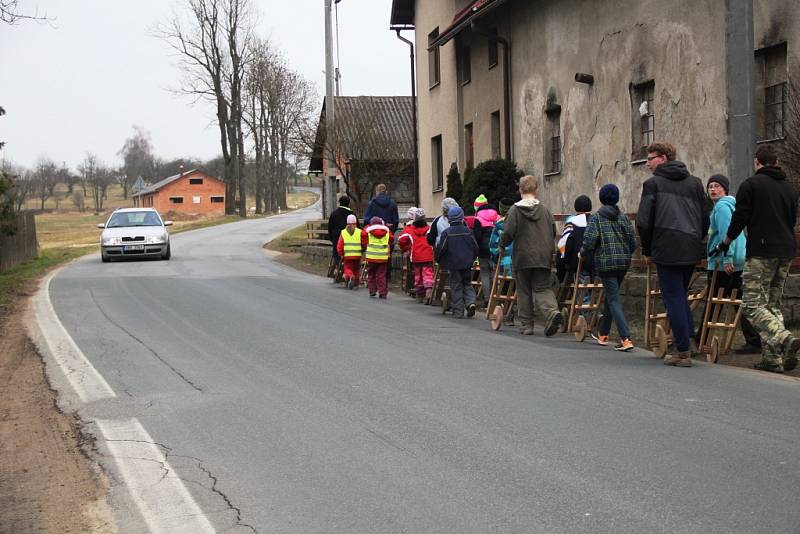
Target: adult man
{"type": "Point", "coordinates": [672, 222]}
{"type": "Point", "coordinates": [530, 227]}
{"type": "Point", "coordinates": [338, 221]}
{"type": "Point", "coordinates": [766, 204]}
{"type": "Point", "coordinates": [383, 206]}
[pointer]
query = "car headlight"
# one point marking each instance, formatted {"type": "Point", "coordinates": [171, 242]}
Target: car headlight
{"type": "Point", "coordinates": [156, 239]}
{"type": "Point", "coordinates": [111, 241]}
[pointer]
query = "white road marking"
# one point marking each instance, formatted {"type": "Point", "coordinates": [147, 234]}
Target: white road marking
{"type": "Point", "coordinates": [161, 497]}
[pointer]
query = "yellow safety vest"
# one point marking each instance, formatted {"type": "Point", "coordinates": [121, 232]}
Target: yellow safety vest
{"type": "Point", "coordinates": [352, 243]}
{"type": "Point", "coordinates": [378, 247]}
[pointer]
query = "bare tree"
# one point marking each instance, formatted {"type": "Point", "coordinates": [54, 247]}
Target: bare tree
{"type": "Point", "coordinates": [213, 44]}
{"type": "Point", "coordinates": [97, 178]}
{"type": "Point", "coordinates": [10, 13]}
{"type": "Point", "coordinates": [45, 179]}
{"type": "Point", "coordinates": [137, 159]}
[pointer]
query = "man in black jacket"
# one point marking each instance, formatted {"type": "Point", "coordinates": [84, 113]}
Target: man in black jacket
{"type": "Point", "coordinates": [766, 204]}
{"type": "Point", "coordinates": [338, 221]}
{"type": "Point", "coordinates": [672, 222]}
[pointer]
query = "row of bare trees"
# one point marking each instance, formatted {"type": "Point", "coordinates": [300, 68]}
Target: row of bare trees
{"type": "Point", "coordinates": [264, 109]}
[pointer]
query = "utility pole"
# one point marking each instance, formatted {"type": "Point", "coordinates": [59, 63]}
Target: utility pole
{"type": "Point", "coordinates": [740, 89]}
{"type": "Point", "coordinates": [330, 182]}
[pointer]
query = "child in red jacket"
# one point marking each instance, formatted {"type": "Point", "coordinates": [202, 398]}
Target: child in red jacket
{"type": "Point", "coordinates": [349, 249]}
{"type": "Point", "coordinates": [413, 240]}
{"type": "Point", "coordinates": [376, 239]}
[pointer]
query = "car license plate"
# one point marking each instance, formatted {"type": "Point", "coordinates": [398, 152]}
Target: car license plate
{"type": "Point", "coordinates": [134, 247]}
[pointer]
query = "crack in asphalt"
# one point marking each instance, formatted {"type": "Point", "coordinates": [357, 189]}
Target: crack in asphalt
{"type": "Point", "coordinates": [214, 481]}
{"type": "Point", "coordinates": [142, 343]}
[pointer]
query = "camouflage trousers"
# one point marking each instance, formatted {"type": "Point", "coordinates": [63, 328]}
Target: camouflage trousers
{"type": "Point", "coordinates": [762, 290]}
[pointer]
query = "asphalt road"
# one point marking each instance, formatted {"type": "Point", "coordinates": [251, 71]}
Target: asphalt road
{"type": "Point", "coordinates": [285, 404]}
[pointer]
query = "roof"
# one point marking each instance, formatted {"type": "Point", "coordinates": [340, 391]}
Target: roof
{"type": "Point", "coordinates": [127, 210]}
{"type": "Point", "coordinates": [402, 14]}
{"type": "Point", "coordinates": [464, 18]}
{"type": "Point", "coordinates": [168, 180]}
{"type": "Point", "coordinates": [369, 128]}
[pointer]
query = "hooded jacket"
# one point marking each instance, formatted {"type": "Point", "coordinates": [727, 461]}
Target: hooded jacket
{"type": "Point", "coordinates": [767, 205]}
{"type": "Point", "coordinates": [413, 239]}
{"type": "Point", "coordinates": [494, 247]}
{"type": "Point", "coordinates": [673, 216]}
{"type": "Point", "coordinates": [438, 226]}
{"type": "Point", "coordinates": [336, 222]}
{"type": "Point", "coordinates": [383, 206]}
{"type": "Point", "coordinates": [611, 238]}
{"type": "Point", "coordinates": [485, 218]}
{"type": "Point", "coordinates": [717, 230]}
{"type": "Point", "coordinates": [529, 226]}
{"type": "Point", "coordinates": [376, 231]}
{"type": "Point", "coordinates": [457, 248]}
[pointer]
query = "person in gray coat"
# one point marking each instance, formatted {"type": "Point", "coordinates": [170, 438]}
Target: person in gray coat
{"type": "Point", "coordinates": [529, 226]}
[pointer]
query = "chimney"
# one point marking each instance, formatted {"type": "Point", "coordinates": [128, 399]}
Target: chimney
{"type": "Point", "coordinates": [180, 169]}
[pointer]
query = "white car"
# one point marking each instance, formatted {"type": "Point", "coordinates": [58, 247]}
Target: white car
{"type": "Point", "coordinates": [134, 232]}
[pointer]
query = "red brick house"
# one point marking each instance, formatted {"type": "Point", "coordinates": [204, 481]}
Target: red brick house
{"type": "Point", "coordinates": [192, 192]}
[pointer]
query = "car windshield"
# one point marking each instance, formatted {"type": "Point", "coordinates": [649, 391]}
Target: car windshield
{"type": "Point", "coordinates": [133, 218]}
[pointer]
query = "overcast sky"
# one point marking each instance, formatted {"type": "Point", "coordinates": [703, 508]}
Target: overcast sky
{"type": "Point", "coordinates": [80, 83]}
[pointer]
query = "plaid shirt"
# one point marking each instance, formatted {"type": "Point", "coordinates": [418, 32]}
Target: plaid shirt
{"type": "Point", "coordinates": [612, 240]}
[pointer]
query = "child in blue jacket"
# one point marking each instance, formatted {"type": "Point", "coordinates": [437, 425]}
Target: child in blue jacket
{"type": "Point", "coordinates": [456, 252]}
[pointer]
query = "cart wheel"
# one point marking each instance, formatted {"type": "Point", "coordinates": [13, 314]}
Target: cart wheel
{"type": "Point", "coordinates": [713, 354]}
{"type": "Point", "coordinates": [662, 343]}
{"type": "Point", "coordinates": [497, 317]}
{"type": "Point", "coordinates": [565, 315]}
{"type": "Point", "coordinates": [445, 302]}
{"type": "Point", "coordinates": [580, 328]}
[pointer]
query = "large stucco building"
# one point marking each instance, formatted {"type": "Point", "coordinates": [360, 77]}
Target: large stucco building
{"type": "Point", "coordinates": [663, 70]}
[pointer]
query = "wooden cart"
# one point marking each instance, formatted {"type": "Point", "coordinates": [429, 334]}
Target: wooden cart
{"type": "Point", "coordinates": [502, 296]}
{"type": "Point", "coordinates": [720, 321]}
{"type": "Point", "coordinates": [585, 306]}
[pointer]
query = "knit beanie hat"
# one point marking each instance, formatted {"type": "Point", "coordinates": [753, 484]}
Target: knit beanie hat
{"type": "Point", "coordinates": [351, 219]}
{"type": "Point", "coordinates": [722, 180]}
{"type": "Point", "coordinates": [376, 220]}
{"type": "Point", "coordinates": [609, 195]}
{"type": "Point", "coordinates": [447, 203]}
{"type": "Point", "coordinates": [480, 201]}
{"type": "Point", "coordinates": [505, 205]}
{"type": "Point", "coordinates": [455, 214]}
{"type": "Point", "coordinates": [583, 204]}
{"type": "Point", "coordinates": [420, 214]}
{"type": "Point", "coordinates": [411, 213]}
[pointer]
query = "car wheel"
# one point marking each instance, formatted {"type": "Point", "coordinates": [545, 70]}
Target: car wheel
{"type": "Point", "coordinates": [104, 258]}
{"type": "Point", "coordinates": [167, 254]}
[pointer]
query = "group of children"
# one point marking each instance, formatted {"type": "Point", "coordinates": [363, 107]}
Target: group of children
{"type": "Point", "coordinates": [605, 240]}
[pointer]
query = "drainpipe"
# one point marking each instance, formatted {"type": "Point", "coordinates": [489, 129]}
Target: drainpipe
{"type": "Point", "coordinates": [506, 83]}
{"type": "Point", "coordinates": [414, 117]}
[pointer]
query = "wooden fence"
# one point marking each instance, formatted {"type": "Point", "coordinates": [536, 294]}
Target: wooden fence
{"type": "Point", "coordinates": [22, 245]}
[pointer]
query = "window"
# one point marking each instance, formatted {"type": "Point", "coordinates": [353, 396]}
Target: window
{"type": "Point", "coordinates": [195, 181]}
{"type": "Point", "coordinates": [176, 200]}
{"type": "Point", "coordinates": [552, 149]}
{"type": "Point", "coordinates": [643, 129]}
{"type": "Point", "coordinates": [469, 145]}
{"type": "Point", "coordinates": [492, 43]}
{"type": "Point", "coordinates": [496, 134]}
{"type": "Point", "coordinates": [433, 60]}
{"type": "Point", "coordinates": [217, 200]}
{"type": "Point", "coordinates": [195, 200]}
{"type": "Point", "coordinates": [465, 65]}
{"type": "Point", "coordinates": [771, 92]}
{"type": "Point", "coordinates": [437, 166]}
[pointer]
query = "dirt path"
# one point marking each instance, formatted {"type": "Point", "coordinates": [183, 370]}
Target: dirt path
{"type": "Point", "coordinates": [47, 481]}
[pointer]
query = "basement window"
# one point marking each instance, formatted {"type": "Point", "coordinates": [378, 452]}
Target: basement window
{"type": "Point", "coordinates": [195, 200]}
{"type": "Point", "coordinates": [217, 200]}
{"type": "Point", "coordinates": [176, 200]}
{"type": "Point", "coordinates": [195, 181]}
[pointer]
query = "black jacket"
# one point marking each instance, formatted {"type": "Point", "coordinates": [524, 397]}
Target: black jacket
{"type": "Point", "coordinates": [767, 205]}
{"type": "Point", "coordinates": [673, 216]}
{"type": "Point", "coordinates": [336, 223]}
{"type": "Point", "coordinates": [385, 207]}
{"type": "Point", "coordinates": [457, 248]}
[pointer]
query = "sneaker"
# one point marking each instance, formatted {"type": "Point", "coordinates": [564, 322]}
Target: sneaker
{"type": "Point", "coordinates": [626, 345]}
{"type": "Point", "coordinates": [471, 310]}
{"type": "Point", "coordinates": [769, 367]}
{"type": "Point", "coordinates": [680, 359]}
{"type": "Point", "coordinates": [747, 348]}
{"type": "Point", "coordinates": [790, 354]}
{"type": "Point", "coordinates": [601, 340]}
{"type": "Point", "coordinates": [553, 324]}
{"type": "Point", "coordinates": [526, 330]}
{"type": "Point", "coordinates": [381, 296]}
{"type": "Point", "coordinates": [372, 294]}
